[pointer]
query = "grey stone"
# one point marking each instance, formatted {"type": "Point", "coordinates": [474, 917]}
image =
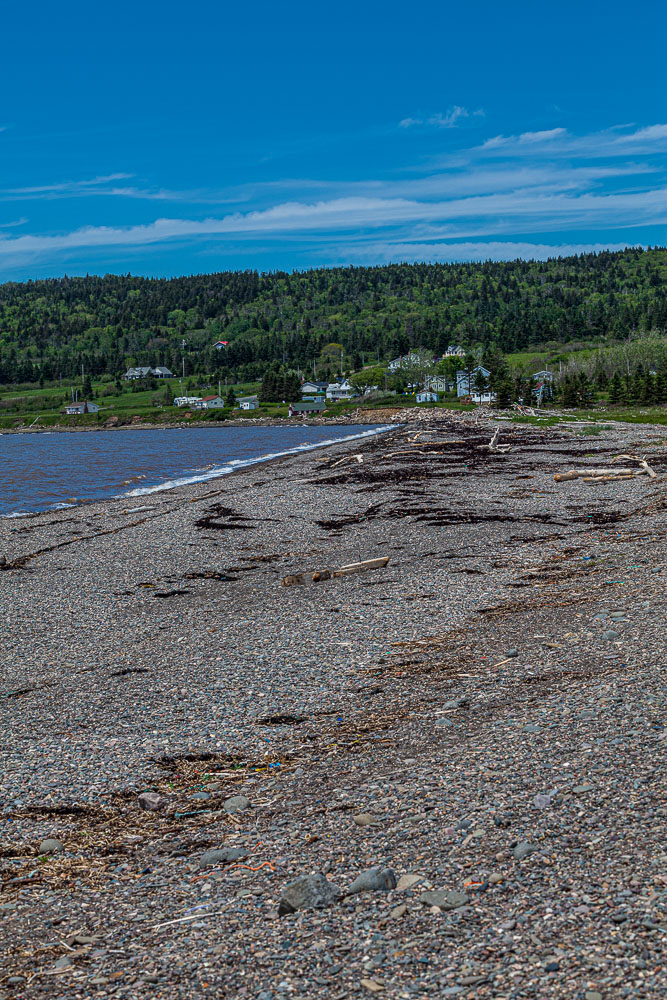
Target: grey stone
{"type": "Point", "coordinates": [511, 653]}
{"type": "Point", "coordinates": [202, 796]}
{"type": "Point", "coordinates": [446, 899]}
{"type": "Point", "coordinates": [377, 879]}
{"type": "Point", "coordinates": [16, 979]}
{"type": "Point", "coordinates": [365, 819]}
{"type": "Point", "coordinates": [50, 846]}
{"type": "Point", "coordinates": [407, 881]}
{"type": "Point", "coordinates": [235, 804]}
{"type": "Point", "coordinates": [398, 911]}
{"type": "Point", "coordinates": [610, 635]}
{"type": "Point", "coordinates": [63, 962]}
{"type": "Point", "coordinates": [582, 789]}
{"type": "Point", "coordinates": [152, 801]}
{"type": "Point", "coordinates": [461, 702]}
{"type": "Point", "coordinates": [225, 855]}
{"type": "Point", "coordinates": [592, 995]}
{"type": "Point", "coordinates": [307, 893]}
{"type": "Point", "coordinates": [495, 878]}
{"type": "Point", "coordinates": [523, 850]}
{"type": "Point", "coordinates": [542, 801]}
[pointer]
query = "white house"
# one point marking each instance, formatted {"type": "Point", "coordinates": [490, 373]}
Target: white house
{"type": "Point", "coordinates": [425, 396]}
{"type": "Point", "coordinates": [213, 402]}
{"type": "Point", "coordinates": [187, 400]}
{"type": "Point", "coordinates": [544, 376]}
{"type": "Point", "coordinates": [251, 403]}
{"type": "Point", "coordinates": [408, 360]}
{"type": "Point", "coordinates": [313, 388]}
{"type": "Point", "coordinates": [145, 371]}
{"type": "Point", "coordinates": [83, 407]}
{"type": "Point", "coordinates": [454, 351]}
{"type": "Point", "coordinates": [340, 390]}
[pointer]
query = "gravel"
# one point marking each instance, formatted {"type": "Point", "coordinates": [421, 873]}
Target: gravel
{"type": "Point", "coordinates": [320, 706]}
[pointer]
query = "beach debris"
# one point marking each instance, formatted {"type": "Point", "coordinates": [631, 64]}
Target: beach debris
{"type": "Point", "coordinates": [493, 446]}
{"type": "Point", "coordinates": [327, 574]}
{"type": "Point", "coordinates": [609, 474]}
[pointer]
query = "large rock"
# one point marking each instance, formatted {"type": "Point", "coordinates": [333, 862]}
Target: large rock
{"type": "Point", "coordinates": [223, 856]}
{"type": "Point", "coordinates": [523, 850]}
{"type": "Point", "coordinates": [309, 892]}
{"type": "Point", "coordinates": [237, 803]}
{"type": "Point", "coordinates": [377, 879]}
{"type": "Point", "coordinates": [445, 899]}
{"type": "Point", "coordinates": [152, 801]}
{"type": "Point", "coordinates": [50, 846]}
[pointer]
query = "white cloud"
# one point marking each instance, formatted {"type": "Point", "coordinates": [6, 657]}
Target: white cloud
{"type": "Point", "coordinates": [539, 182]}
{"type": "Point", "coordinates": [449, 120]}
{"type": "Point", "coordinates": [387, 252]}
{"type": "Point", "coordinates": [559, 142]}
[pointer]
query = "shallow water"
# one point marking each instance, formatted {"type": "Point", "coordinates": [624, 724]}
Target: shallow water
{"type": "Point", "coordinates": [60, 469]}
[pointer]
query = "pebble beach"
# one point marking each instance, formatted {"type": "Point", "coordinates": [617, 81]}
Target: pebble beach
{"type": "Point", "coordinates": [444, 777]}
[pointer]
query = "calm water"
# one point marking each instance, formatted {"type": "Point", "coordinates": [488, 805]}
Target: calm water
{"type": "Point", "coordinates": [43, 471]}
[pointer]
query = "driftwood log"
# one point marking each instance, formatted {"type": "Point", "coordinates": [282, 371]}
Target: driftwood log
{"type": "Point", "coordinates": [493, 446]}
{"type": "Point", "coordinates": [328, 574]}
{"type": "Point", "coordinates": [611, 473]}
{"type": "Point", "coordinates": [563, 477]}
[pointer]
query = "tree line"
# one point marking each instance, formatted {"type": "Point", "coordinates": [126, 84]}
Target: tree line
{"type": "Point", "coordinates": [57, 327]}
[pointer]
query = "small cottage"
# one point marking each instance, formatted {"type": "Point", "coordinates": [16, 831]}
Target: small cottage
{"type": "Point", "coordinates": [307, 406]}
{"type": "Point", "coordinates": [83, 407]}
{"type": "Point", "coordinates": [426, 396]}
{"type": "Point", "coordinates": [213, 402]}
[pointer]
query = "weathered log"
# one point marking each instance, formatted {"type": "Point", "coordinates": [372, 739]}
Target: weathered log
{"type": "Point", "coordinates": [563, 477]}
{"type": "Point", "coordinates": [607, 479]}
{"type": "Point", "coordinates": [327, 574]}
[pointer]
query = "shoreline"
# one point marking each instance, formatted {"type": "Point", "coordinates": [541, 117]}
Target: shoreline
{"type": "Point", "coordinates": [180, 425]}
{"type": "Point", "coordinates": [510, 653]}
{"type": "Point", "coordinates": [227, 468]}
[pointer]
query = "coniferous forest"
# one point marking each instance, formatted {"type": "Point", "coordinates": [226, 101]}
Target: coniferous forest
{"type": "Point", "coordinates": [52, 328]}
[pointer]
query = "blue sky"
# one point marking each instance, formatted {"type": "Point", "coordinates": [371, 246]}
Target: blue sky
{"type": "Point", "coordinates": [163, 139]}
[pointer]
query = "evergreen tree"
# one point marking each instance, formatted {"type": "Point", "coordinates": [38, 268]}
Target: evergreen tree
{"type": "Point", "coordinates": [615, 389]}
{"type": "Point", "coordinates": [503, 391]}
{"type": "Point", "coordinates": [230, 398]}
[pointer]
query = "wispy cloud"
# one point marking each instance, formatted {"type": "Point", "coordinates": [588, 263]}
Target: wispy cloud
{"type": "Point", "coordinates": [485, 201]}
{"type": "Point", "coordinates": [451, 119]}
{"type": "Point", "coordinates": [105, 186]}
{"type": "Point", "coordinates": [558, 142]}
{"type": "Point", "coordinates": [475, 251]}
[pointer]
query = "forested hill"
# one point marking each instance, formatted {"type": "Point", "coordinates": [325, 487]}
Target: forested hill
{"type": "Point", "coordinates": [52, 327]}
